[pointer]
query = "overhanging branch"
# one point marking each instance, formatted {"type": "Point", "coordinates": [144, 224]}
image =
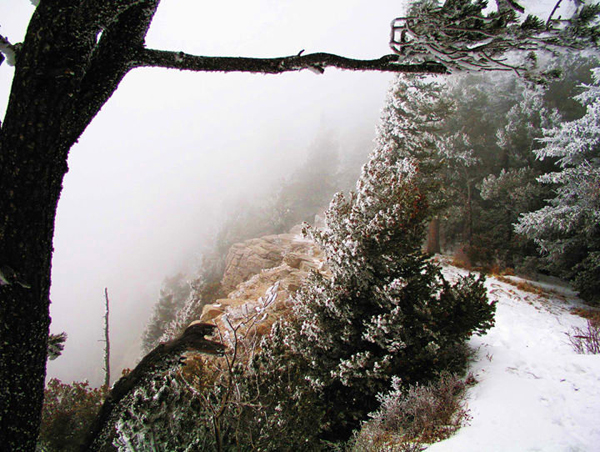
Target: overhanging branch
{"type": "Point", "coordinates": [316, 62]}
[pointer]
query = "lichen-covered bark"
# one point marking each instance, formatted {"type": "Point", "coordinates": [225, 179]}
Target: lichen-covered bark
{"type": "Point", "coordinates": [314, 61]}
{"type": "Point", "coordinates": [73, 58]}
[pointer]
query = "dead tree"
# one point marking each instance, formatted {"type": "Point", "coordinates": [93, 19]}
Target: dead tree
{"type": "Point", "coordinates": [106, 342]}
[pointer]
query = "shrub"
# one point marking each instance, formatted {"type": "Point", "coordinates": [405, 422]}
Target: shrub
{"type": "Point", "coordinates": [68, 412]}
{"type": "Point", "coordinates": [410, 417]}
{"type": "Point", "coordinates": [586, 340]}
{"type": "Point", "coordinates": [587, 278]}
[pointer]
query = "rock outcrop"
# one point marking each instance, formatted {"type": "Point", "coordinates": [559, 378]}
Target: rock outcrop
{"type": "Point", "coordinates": [260, 276]}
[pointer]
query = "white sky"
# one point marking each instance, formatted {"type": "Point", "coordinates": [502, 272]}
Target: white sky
{"type": "Point", "coordinates": [147, 177]}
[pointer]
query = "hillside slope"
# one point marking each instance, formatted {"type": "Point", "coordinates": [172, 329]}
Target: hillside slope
{"type": "Point", "coordinates": [534, 393]}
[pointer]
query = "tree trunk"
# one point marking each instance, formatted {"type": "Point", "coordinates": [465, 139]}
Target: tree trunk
{"type": "Point", "coordinates": [32, 165]}
{"type": "Point", "coordinates": [433, 237]}
{"type": "Point", "coordinates": [27, 205]}
{"type": "Point", "coordinates": [51, 103]}
{"type": "Point", "coordinates": [469, 215]}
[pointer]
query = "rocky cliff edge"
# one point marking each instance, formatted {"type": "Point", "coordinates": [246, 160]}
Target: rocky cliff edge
{"type": "Point", "coordinates": [260, 277]}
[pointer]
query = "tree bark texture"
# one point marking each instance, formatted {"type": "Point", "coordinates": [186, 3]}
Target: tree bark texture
{"type": "Point", "coordinates": [53, 99]}
{"type": "Point", "coordinates": [75, 54]}
{"type": "Point", "coordinates": [433, 237]}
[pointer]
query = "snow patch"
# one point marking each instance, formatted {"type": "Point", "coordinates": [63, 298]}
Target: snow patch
{"type": "Point", "coordinates": [534, 393]}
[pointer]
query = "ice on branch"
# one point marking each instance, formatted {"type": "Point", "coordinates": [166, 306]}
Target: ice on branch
{"type": "Point", "coordinates": [464, 37]}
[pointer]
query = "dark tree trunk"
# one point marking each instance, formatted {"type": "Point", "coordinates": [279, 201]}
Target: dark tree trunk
{"type": "Point", "coordinates": [433, 237]}
{"type": "Point", "coordinates": [46, 114]}
{"type": "Point", "coordinates": [32, 165]}
{"type": "Point", "coordinates": [468, 228]}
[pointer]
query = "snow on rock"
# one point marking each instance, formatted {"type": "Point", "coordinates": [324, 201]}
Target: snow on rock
{"type": "Point", "coordinates": [534, 393]}
{"type": "Point", "coordinates": [253, 268]}
{"type": "Point", "coordinates": [249, 258]}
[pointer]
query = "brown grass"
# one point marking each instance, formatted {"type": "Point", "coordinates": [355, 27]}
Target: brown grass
{"type": "Point", "coordinates": [462, 259]}
{"type": "Point", "coordinates": [524, 286]}
{"type": "Point", "coordinates": [592, 315]}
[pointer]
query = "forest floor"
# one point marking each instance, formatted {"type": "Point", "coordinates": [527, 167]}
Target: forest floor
{"type": "Point", "coordinates": [533, 391]}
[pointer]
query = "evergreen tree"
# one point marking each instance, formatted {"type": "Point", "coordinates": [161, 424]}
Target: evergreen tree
{"type": "Point", "coordinates": [384, 310]}
{"type": "Point", "coordinates": [567, 229]}
{"type": "Point", "coordinates": [513, 189]}
{"type": "Point", "coordinates": [173, 295]}
{"type": "Point", "coordinates": [411, 123]}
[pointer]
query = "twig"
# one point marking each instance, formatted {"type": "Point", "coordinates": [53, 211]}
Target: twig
{"type": "Point", "coordinates": [552, 13]}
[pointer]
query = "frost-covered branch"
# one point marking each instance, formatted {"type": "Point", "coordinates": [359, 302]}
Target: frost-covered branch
{"type": "Point", "coordinates": [162, 358]}
{"type": "Point", "coordinates": [316, 62]}
{"type": "Point", "coordinates": [7, 51]}
{"type": "Point", "coordinates": [461, 36]}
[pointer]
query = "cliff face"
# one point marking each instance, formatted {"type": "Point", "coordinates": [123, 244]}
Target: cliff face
{"type": "Point", "coordinates": [260, 276]}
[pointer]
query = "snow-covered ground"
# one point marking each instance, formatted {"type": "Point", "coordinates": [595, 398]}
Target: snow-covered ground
{"type": "Point", "coordinates": [534, 393]}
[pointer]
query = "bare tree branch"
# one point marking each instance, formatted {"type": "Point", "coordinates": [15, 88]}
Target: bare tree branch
{"type": "Point", "coordinates": [106, 341]}
{"type": "Point", "coordinates": [316, 62]}
{"type": "Point", "coordinates": [549, 21]}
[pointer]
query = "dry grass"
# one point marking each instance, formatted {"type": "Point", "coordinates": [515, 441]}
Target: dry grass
{"type": "Point", "coordinates": [524, 286]}
{"type": "Point", "coordinates": [590, 314]}
{"type": "Point", "coordinates": [463, 259]}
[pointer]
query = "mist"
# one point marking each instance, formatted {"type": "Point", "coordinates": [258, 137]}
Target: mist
{"type": "Point", "coordinates": [152, 176]}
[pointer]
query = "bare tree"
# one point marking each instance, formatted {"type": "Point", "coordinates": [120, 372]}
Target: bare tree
{"type": "Point", "coordinates": [75, 54]}
{"type": "Point", "coordinates": [106, 341]}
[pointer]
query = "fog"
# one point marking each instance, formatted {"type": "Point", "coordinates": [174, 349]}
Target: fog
{"type": "Point", "coordinates": [150, 176]}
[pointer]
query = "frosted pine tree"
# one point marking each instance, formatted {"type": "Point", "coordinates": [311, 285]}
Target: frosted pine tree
{"type": "Point", "coordinates": [174, 294]}
{"type": "Point", "coordinates": [514, 189]}
{"type": "Point", "coordinates": [567, 229]}
{"type": "Point", "coordinates": [385, 310]}
{"type": "Point", "coordinates": [411, 124]}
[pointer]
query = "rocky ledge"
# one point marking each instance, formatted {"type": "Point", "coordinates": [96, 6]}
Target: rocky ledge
{"type": "Point", "coordinates": [260, 276]}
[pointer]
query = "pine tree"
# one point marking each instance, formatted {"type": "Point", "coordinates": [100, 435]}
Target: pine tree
{"type": "Point", "coordinates": [412, 123]}
{"type": "Point", "coordinates": [173, 295]}
{"type": "Point", "coordinates": [385, 309]}
{"type": "Point", "coordinates": [567, 229]}
{"type": "Point", "coordinates": [513, 189]}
